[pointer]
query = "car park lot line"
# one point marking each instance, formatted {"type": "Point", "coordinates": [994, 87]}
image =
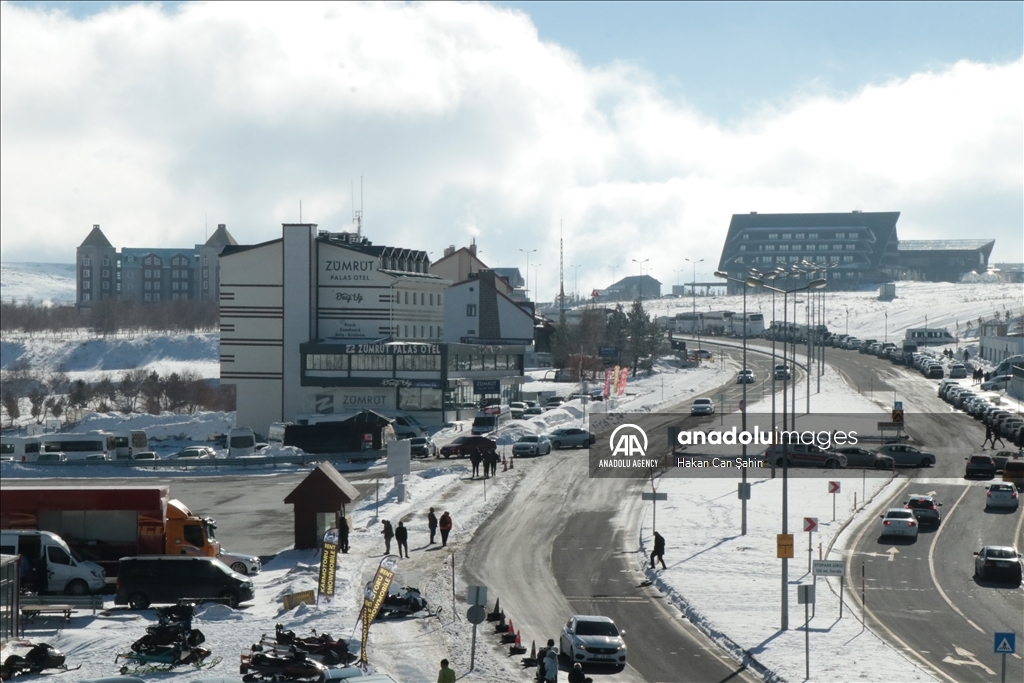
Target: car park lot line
{"type": "Point", "coordinates": [931, 561]}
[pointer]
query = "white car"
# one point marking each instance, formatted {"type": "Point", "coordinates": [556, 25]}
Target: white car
{"type": "Point", "coordinates": [243, 564]}
{"type": "Point", "coordinates": [899, 522]}
{"type": "Point", "coordinates": [703, 406]}
{"type": "Point", "coordinates": [996, 383]}
{"type": "Point", "coordinates": [1002, 496]}
{"type": "Point", "coordinates": [592, 639]}
{"type": "Point", "coordinates": [745, 377]}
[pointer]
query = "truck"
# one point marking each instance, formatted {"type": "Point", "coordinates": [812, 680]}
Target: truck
{"type": "Point", "coordinates": [103, 524]}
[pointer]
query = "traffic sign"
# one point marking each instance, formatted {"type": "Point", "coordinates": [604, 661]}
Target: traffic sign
{"type": "Point", "coordinates": [1005, 643]}
{"type": "Point", "coordinates": [476, 614]}
{"type": "Point", "coordinates": [476, 595]}
{"type": "Point", "coordinates": [829, 568]}
{"type": "Point", "coordinates": [805, 594]}
{"type": "Point", "coordinates": [897, 405]}
{"type": "Point", "coordinates": [784, 546]}
{"type": "Point", "coordinates": [897, 416]}
{"type": "Point", "coordinates": [833, 487]}
{"type": "Point", "coordinates": [744, 491]}
{"type": "Point", "coordinates": [647, 495]}
{"type": "Point", "coordinates": [810, 524]}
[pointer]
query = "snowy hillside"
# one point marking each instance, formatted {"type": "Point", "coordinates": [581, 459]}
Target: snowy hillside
{"type": "Point", "coordinates": [42, 282]}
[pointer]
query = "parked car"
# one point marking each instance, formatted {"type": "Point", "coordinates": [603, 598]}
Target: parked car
{"type": "Point", "coordinates": [592, 639]}
{"type": "Point", "coordinates": [702, 406]}
{"type": "Point", "coordinates": [957, 371]}
{"type": "Point", "coordinates": [934, 371]}
{"type": "Point", "coordinates": [1013, 473]}
{"type": "Point", "coordinates": [533, 410]}
{"type": "Point", "coordinates": [464, 446]}
{"type": "Point", "coordinates": [554, 402]}
{"type": "Point", "coordinates": [980, 465]}
{"type": "Point", "coordinates": [193, 453]}
{"type": "Point", "coordinates": [243, 564]}
{"type": "Point", "coordinates": [97, 457]}
{"type": "Point", "coordinates": [145, 455]}
{"type": "Point", "coordinates": [925, 509]}
{"type": "Point", "coordinates": [165, 579]}
{"type": "Point", "coordinates": [899, 522]}
{"type": "Point", "coordinates": [908, 456]}
{"type": "Point", "coordinates": [803, 455]}
{"type": "Point", "coordinates": [1002, 496]}
{"type": "Point", "coordinates": [998, 561]}
{"type": "Point", "coordinates": [1002, 457]}
{"type": "Point", "coordinates": [531, 444]}
{"type": "Point", "coordinates": [862, 457]}
{"type": "Point", "coordinates": [517, 408]}
{"type": "Point", "coordinates": [996, 383]}
{"type": "Point", "coordinates": [570, 437]}
{"type": "Point", "coordinates": [422, 447]}
{"type": "Point", "coordinates": [745, 377]}
{"type": "Point", "coordinates": [52, 457]}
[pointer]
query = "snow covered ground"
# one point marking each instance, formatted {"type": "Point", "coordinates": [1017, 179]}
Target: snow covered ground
{"type": "Point", "coordinates": [40, 282]}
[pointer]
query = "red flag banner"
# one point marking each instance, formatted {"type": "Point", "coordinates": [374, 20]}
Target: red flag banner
{"type": "Point", "coordinates": [623, 376]}
{"type": "Point", "coordinates": [607, 382]}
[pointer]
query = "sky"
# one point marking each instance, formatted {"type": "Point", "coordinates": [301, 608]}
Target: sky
{"type": "Point", "coordinates": [634, 130]}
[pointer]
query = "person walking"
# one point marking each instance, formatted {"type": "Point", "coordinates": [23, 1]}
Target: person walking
{"type": "Point", "coordinates": [659, 550]}
{"type": "Point", "coordinates": [445, 525]}
{"type": "Point", "coordinates": [445, 675]}
{"type": "Point", "coordinates": [551, 666]}
{"type": "Point", "coordinates": [402, 536]}
{"type": "Point", "coordinates": [988, 437]}
{"type": "Point", "coordinates": [343, 534]}
{"type": "Point", "coordinates": [389, 533]}
{"type": "Point", "coordinates": [492, 462]}
{"type": "Point", "coordinates": [432, 525]}
{"type": "Point", "coordinates": [474, 459]}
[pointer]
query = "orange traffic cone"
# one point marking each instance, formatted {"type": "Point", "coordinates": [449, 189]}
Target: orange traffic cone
{"type": "Point", "coordinates": [519, 640]}
{"type": "Point", "coordinates": [533, 649]}
{"type": "Point", "coordinates": [510, 629]}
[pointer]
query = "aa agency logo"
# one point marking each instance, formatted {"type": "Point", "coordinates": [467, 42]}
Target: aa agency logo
{"type": "Point", "coordinates": [628, 443]}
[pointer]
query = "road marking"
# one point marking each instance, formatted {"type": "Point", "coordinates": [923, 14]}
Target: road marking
{"type": "Point", "coordinates": [892, 553]}
{"type": "Point", "coordinates": [971, 660]}
{"type": "Point", "coordinates": [931, 563]}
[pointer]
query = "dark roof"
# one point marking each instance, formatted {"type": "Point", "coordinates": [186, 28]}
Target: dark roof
{"type": "Point", "coordinates": [239, 248]}
{"type": "Point", "coordinates": [945, 245]}
{"type": "Point", "coordinates": [324, 485]}
{"type": "Point", "coordinates": [633, 281]}
{"type": "Point", "coordinates": [220, 238]}
{"type": "Point", "coordinates": [96, 238]}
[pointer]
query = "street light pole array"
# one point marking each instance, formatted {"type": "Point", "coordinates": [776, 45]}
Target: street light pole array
{"type": "Point", "coordinates": [640, 282]}
{"type": "Point", "coordinates": [693, 291]}
{"type": "Point", "coordinates": [527, 252]}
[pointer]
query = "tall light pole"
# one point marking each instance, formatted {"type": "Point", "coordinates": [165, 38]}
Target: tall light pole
{"type": "Point", "coordinates": [743, 408]}
{"type": "Point", "coordinates": [814, 284]}
{"type": "Point", "coordinates": [527, 252]}
{"type": "Point", "coordinates": [536, 278]}
{"type": "Point", "coordinates": [575, 281]}
{"type": "Point", "coordinates": [693, 291]}
{"type": "Point", "coordinates": [640, 282]}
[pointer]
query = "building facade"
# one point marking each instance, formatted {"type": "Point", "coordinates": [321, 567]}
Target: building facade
{"type": "Point", "coordinates": [148, 275]}
{"type": "Point", "coordinates": [476, 311]}
{"type": "Point", "coordinates": [327, 323]}
{"type": "Point", "coordinates": [943, 260]}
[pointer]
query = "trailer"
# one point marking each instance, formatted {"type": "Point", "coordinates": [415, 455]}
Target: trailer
{"type": "Point", "coordinates": [104, 524]}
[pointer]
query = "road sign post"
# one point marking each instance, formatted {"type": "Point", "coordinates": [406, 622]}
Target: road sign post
{"type": "Point", "coordinates": [654, 497]}
{"type": "Point", "coordinates": [832, 568]}
{"type": "Point", "coordinates": [1005, 644]}
{"type": "Point", "coordinates": [805, 596]}
{"type": "Point", "coordinates": [784, 546]}
{"type": "Point", "coordinates": [833, 488]}
{"type": "Point", "coordinates": [476, 596]}
{"type": "Point", "coordinates": [810, 526]}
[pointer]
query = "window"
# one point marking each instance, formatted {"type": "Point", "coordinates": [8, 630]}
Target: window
{"type": "Point", "coordinates": [86, 272]}
{"type": "Point", "coordinates": [853, 235]}
{"type": "Point", "coordinates": [810, 247]}
{"type": "Point", "coordinates": [848, 258]}
{"type": "Point", "coordinates": [431, 298]}
{"type": "Point", "coordinates": [783, 247]}
{"type": "Point", "coordinates": [373, 362]}
{"type": "Point", "coordinates": [840, 235]}
{"type": "Point", "coordinates": [407, 298]}
{"type": "Point", "coordinates": [131, 259]}
{"type": "Point", "coordinates": [206, 261]}
{"type": "Point", "coordinates": [431, 327]}
{"type": "Point", "coordinates": [184, 285]}
{"type": "Point", "coordinates": [787, 235]}
{"type": "Point", "coordinates": [105, 273]}
{"type": "Point", "coordinates": [439, 303]}
{"type": "Point", "coordinates": [148, 297]}
{"type": "Point", "coordinates": [86, 285]}
{"type": "Point", "coordinates": [746, 235]}
{"type": "Point", "coordinates": [773, 235]}
{"type": "Point", "coordinates": [194, 536]}
{"type": "Point", "coordinates": [206, 273]}
{"type": "Point", "coordinates": [406, 331]}
{"type": "Point", "coordinates": [86, 296]}
{"type": "Point", "coordinates": [743, 247]}
{"type": "Point", "coordinates": [149, 285]}
{"type": "Point", "coordinates": [801, 236]}
{"type": "Point", "coordinates": [156, 285]}
{"type": "Point", "coordinates": [470, 310]}
{"type": "Point", "coordinates": [156, 297]}
{"type": "Point", "coordinates": [57, 555]}
{"type": "Point", "coordinates": [794, 259]}
{"type": "Point", "coordinates": [148, 273]}
{"type": "Point", "coordinates": [836, 275]}
{"type": "Point", "coordinates": [106, 285]}
{"type": "Point", "coordinates": [174, 296]}
{"type": "Point", "coordinates": [812, 235]}
{"type": "Point", "coordinates": [851, 247]}
{"type": "Point", "coordinates": [106, 261]}
{"type": "Point", "coordinates": [769, 247]}
{"type": "Point", "coordinates": [174, 286]}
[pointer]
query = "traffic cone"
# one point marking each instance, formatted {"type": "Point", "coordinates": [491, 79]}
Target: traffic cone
{"type": "Point", "coordinates": [510, 629]}
{"type": "Point", "coordinates": [533, 649]}
{"type": "Point", "coordinates": [517, 647]}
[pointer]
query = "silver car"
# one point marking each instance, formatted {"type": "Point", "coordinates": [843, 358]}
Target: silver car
{"type": "Point", "coordinates": [531, 445]}
{"type": "Point", "coordinates": [1002, 496]}
{"type": "Point", "coordinates": [570, 437]}
{"type": "Point", "coordinates": [243, 564]}
{"type": "Point", "coordinates": [592, 639]}
{"type": "Point", "coordinates": [862, 457]}
{"type": "Point", "coordinates": [908, 456]}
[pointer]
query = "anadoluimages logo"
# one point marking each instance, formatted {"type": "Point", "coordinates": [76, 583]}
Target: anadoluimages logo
{"type": "Point", "coordinates": [628, 443]}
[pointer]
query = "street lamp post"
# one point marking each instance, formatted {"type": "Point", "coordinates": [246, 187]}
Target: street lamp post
{"type": "Point", "coordinates": [640, 282]}
{"type": "Point", "coordinates": [693, 291]}
{"type": "Point", "coordinates": [527, 252]}
{"type": "Point", "coordinates": [536, 279]}
{"type": "Point", "coordinates": [575, 282]}
{"type": "Point", "coordinates": [814, 284]}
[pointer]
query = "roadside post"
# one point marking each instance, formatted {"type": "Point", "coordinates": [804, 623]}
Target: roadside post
{"type": "Point", "coordinates": [805, 597]}
{"type": "Point", "coordinates": [832, 568]}
{"type": "Point", "coordinates": [833, 488]}
{"type": "Point", "coordinates": [810, 526]}
{"type": "Point", "coordinates": [1005, 644]}
{"type": "Point", "coordinates": [477, 598]}
{"type": "Point", "coordinates": [399, 461]}
{"type": "Point", "coordinates": [654, 497]}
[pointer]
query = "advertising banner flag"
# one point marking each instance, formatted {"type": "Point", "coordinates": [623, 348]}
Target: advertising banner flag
{"type": "Point", "coordinates": [373, 597]}
{"type": "Point", "coordinates": [615, 380]}
{"type": "Point", "coordinates": [328, 565]}
{"type": "Point", "coordinates": [623, 375]}
{"type": "Point", "coordinates": [607, 382]}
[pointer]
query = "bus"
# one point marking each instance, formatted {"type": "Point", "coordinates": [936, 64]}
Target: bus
{"type": "Point", "coordinates": [923, 336]}
{"type": "Point", "coordinates": [687, 323]}
{"type": "Point", "coordinates": [752, 327]}
{"type": "Point", "coordinates": [19, 448]}
{"type": "Point", "coordinates": [78, 446]}
{"type": "Point", "coordinates": [126, 444]}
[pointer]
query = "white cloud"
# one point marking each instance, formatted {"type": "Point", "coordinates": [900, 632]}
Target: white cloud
{"type": "Point", "coordinates": [464, 124]}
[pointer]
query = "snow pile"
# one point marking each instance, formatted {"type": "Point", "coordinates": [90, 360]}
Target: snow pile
{"type": "Point", "coordinates": [199, 426]}
{"type": "Point", "coordinates": [48, 283]}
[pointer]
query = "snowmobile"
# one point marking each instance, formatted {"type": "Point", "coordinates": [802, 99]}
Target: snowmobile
{"type": "Point", "coordinates": [275, 665]}
{"type": "Point", "coordinates": [408, 601]}
{"type": "Point", "coordinates": [41, 656]}
{"type": "Point", "coordinates": [155, 658]}
{"type": "Point", "coordinates": [320, 645]}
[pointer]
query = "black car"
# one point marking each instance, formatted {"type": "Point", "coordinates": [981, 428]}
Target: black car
{"type": "Point", "coordinates": [998, 562]}
{"type": "Point", "coordinates": [166, 579]}
{"type": "Point", "coordinates": [925, 509]}
{"type": "Point", "coordinates": [980, 466]}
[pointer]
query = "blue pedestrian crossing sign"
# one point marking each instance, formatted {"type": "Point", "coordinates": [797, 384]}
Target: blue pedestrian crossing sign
{"type": "Point", "coordinates": [1005, 643]}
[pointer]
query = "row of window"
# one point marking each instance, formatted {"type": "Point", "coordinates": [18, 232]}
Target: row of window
{"type": "Point", "coordinates": [486, 361]}
{"type": "Point", "coordinates": [149, 261]}
{"type": "Point", "coordinates": [847, 258]}
{"type": "Point", "coordinates": [807, 236]}
{"type": "Point", "coordinates": [422, 298]}
{"type": "Point", "coordinates": [419, 331]}
{"type": "Point", "coordinates": [803, 247]}
{"type": "Point", "coordinates": [337, 361]}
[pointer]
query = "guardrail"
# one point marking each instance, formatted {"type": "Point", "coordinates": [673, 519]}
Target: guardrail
{"type": "Point", "coordinates": [249, 462]}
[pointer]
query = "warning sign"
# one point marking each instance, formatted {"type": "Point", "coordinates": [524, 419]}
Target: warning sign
{"type": "Point", "coordinates": [784, 546]}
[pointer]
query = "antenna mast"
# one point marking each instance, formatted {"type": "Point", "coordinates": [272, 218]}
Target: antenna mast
{"type": "Point", "coordinates": [358, 215]}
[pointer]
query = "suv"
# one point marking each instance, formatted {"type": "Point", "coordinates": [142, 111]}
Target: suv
{"type": "Point", "coordinates": [781, 371]}
{"type": "Point", "coordinates": [166, 579]}
{"type": "Point", "coordinates": [980, 466]}
{"type": "Point", "coordinates": [925, 509]}
{"type": "Point", "coordinates": [703, 406]}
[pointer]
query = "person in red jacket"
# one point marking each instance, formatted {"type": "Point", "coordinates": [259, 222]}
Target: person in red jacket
{"type": "Point", "coordinates": [445, 526]}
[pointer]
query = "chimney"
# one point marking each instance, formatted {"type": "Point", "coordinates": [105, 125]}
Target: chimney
{"type": "Point", "coordinates": [222, 225]}
{"type": "Point", "coordinates": [95, 226]}
{"type": "Point", "coordinates": [472, 246]}
{"type": "Point", "coordinates": [449, 250]}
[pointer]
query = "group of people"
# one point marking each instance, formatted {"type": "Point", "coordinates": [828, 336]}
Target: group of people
{"type": "Point", "coordinates": [401, 533]}
{"type": "Point", "coordinates": [489, 460]}
{"type": "Point", "coordinates": [547, 666]}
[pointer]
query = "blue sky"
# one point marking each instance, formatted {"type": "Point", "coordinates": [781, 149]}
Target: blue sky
{"type": "Point", "coordinates": [640, 127]}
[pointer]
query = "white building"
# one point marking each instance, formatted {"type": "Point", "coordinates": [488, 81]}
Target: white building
{"type": "Point", "coordinates": [477, 311]}
{"type": "Point", "coordinates": [329, 323]}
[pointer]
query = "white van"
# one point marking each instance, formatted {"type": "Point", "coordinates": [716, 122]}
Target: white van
{"type": "Point", "coordinates": [490, 418]}
{"type": "Point", "coordinates": [48, 555]}
{"type": "Point", "coordinates": [241, 442]}
{"type": "Point", "coordinates": [405, 425]}
{"type": "Point", "coordinates": [20, 448]}
{"type": "Point", "coordinates": [127, 444]}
